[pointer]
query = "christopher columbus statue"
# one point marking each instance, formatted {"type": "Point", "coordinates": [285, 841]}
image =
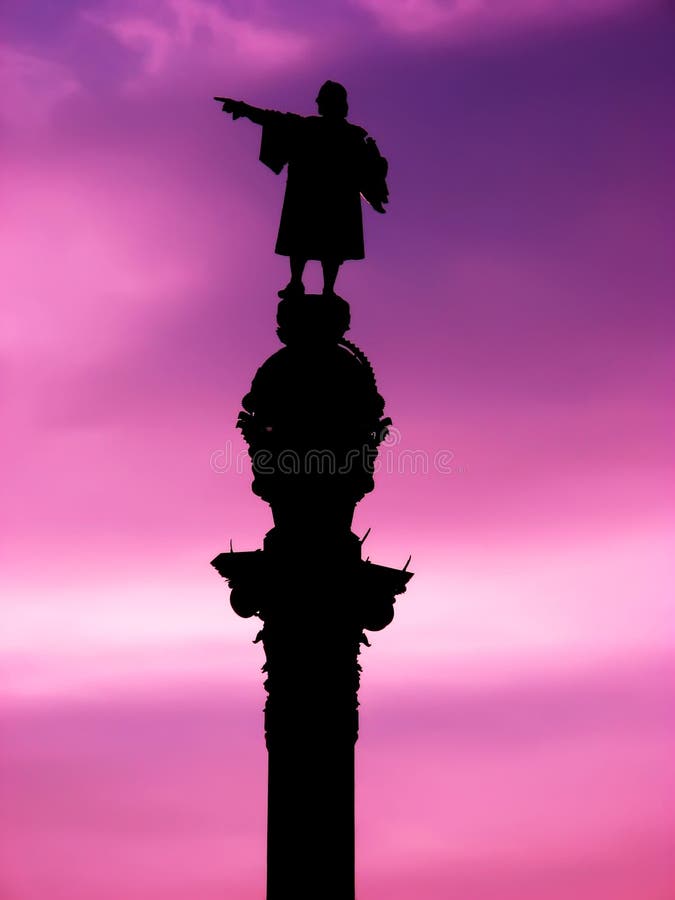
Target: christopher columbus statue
{"type": "Point", "coordinates": [331, 165]}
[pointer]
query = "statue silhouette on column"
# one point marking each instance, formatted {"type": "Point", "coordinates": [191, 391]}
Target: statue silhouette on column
{"type": "Point", "coordinates": [313, 421]}
{"type": "Point", "coordinates": [331, 165]}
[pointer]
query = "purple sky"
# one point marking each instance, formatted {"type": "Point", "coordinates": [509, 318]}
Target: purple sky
{"type": "Point", "coordinates": [517, 303]}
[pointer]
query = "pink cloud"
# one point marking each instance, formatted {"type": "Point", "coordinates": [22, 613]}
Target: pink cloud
{"type": "Point", "coordinates": [466, 19]}
{"type": "Point", "coordinates": [184, 30]}
{"type": "Point", "coordinates": [481, 613]}
{"type": "Point", "coordinates": [32, 87]}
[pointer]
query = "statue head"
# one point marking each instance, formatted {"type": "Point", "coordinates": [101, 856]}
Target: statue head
{"type": "Point", "coordinates": [332, 100]}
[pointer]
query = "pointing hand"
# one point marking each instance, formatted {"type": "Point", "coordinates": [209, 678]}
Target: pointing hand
{"type": "Point", "coordinates": [233, 107]}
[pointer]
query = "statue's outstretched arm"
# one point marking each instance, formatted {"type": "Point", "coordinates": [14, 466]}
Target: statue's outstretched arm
{"type": "Point", "coordinates": [238, 109]}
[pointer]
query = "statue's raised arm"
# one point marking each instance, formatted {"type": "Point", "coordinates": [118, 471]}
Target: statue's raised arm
{"type": "Point", "coordinates": [331, 165]}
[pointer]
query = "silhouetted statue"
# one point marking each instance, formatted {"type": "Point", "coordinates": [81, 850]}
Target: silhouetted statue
{"type": "Point", "coordinates": [331, 164]}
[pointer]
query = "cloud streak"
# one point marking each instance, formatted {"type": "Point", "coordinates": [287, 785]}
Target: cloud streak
{"type": "Point", "coordinates": [463, 20]}
{"type": "Point", "coordinates": [178, 32]}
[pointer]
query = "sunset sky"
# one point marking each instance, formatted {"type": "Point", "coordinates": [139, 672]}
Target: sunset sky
{"type": "Point", "coordinates": [518, 716]}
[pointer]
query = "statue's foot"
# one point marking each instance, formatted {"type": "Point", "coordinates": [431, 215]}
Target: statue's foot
{"type": "Point", "coordinates": [291, 290]}
{"type": "Point", "coordinates": [328, 292]}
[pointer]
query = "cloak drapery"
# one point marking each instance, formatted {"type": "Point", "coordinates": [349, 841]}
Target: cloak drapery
{"type": "Point", "coordinates": [330, 164]}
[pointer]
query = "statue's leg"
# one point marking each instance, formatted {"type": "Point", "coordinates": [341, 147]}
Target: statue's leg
{"type": "Point", "coordinates": [330, 267]}
{"type": "Point", "coordinates": [295, 285]}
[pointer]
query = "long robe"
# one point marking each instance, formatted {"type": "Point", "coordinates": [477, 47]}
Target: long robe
{"type": "Point", "coordinates": [321, 215]}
